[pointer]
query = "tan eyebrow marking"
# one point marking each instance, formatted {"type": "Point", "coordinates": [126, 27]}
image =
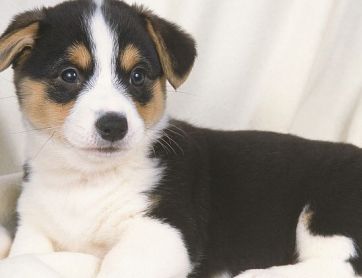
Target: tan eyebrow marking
{"type": "Point", "coordinates": [130, 57]}
{"type": "Point", "coordinates": [80, 56]}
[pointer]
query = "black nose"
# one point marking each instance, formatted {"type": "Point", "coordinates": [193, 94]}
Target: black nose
{"type": "Point", "coordinates": [112, 127]}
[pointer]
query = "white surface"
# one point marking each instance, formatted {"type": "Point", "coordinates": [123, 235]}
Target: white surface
{"type": "Point", "coordinates": [55, 265]}
{"type": "Point", "coordinates": [284, 65]}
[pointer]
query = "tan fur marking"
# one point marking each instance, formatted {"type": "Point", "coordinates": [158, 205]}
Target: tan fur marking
{"type": "Point", "coordinates": [79, 55]}
{"type": "Point", "coordinates": [165, 59]}
{"type": "Point", "coordinates": [42, 112]}
{"type": "Point", "coordinates": [14, 43]}
{"type": "Point", "coordinates": [306, 217]}
{"type": "Point", "coordinates": [152, 111]}
{"type": "Point", "coordinates": [130, 57]}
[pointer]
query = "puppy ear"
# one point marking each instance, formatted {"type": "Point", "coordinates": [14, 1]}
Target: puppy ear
{"type": "Point", "coordinates": [20, 35]}
{"type": "Point", "coordinates": [176, 49]}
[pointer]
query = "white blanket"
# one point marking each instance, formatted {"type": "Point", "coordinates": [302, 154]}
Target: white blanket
{"type": "Point", "coordinates": [55, 265]}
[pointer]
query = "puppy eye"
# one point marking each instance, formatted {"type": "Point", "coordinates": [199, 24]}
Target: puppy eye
{"type": "Point", "coordinates": [138, 77]}
{"type": "Point", "coordinates": [70, 75]}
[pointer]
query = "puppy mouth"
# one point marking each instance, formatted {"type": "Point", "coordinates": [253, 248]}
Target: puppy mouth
{"type": "Point", "coordinates": [103, 150]}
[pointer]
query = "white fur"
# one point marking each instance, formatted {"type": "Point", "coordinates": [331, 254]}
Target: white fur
{"type": "Point", "coordinates": [99, 3]}
{"type": "Point", "coordinates": [81, 211]}
{"type": "Point", "coordinates": [149, 249]}
{"type": "Point", "coordinates": [311, 246]}
{"type": "Point", "coordinates": [222, 275]}
{"type": "Point", "coordinates": [320, 257]}
{"type": "Point", "coordinates": [80, 201]}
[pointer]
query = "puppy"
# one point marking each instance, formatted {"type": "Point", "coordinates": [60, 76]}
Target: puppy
{"type": "Point", "coordinates": [109, 174]}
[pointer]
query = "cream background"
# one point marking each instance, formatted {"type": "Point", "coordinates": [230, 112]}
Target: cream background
{"type": "Point", "coordinates": [284, 65]}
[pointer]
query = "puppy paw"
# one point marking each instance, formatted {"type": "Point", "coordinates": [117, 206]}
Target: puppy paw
{"type": "Point", "coordinates": [261, 273]}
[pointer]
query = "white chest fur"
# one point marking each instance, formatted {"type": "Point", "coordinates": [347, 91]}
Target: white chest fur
{"type": "Point", "coordinates": [87, 213]}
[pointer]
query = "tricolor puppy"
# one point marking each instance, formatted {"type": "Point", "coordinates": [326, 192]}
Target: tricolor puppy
{"type": "Point", "coordinates": [109, 174]}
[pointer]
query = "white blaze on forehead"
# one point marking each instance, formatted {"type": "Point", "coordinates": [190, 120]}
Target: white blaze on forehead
{"type": "Point", "coordinates": [104, 45]}
{"type": "Point", "coordinates": [105, 93]}
{"type": "Point", "coordinates": [99, 3]}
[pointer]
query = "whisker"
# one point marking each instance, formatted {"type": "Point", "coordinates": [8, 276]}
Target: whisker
{"type": "Point", "coordinates": [163, 145]}
{"type": "Point", "coordinates": [168, 144]}
{"type": "Point", "coordinates": [43, 146]}
{"type": "Point", "coordinates": [66, 144]}
{"type": "Point", "coordinates": [180, 129]}
{"type": "Point", "coordinates": [35, 129]}
{"type": "Point", "coordinates": [184, 93]}
{"type": "Point", "coordinates": [175, 132]}
{"type": "Point", "coordinates": [173, 141]}
{"type": "Point", "coordinates": [9, 97]}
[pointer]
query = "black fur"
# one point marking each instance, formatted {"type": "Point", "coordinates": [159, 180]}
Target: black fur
{"type": "Point", "coordinates": [23, 20]}
{"type": "Point", "coordinates": [180, 46]}
{"type": "Point", "coordinates": [26, 172]}
{"type": "Point", "coordinates": [237, 196]}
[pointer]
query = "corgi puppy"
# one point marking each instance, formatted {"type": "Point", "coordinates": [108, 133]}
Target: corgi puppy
{"type": "Point", "coordinates": [108, 173]}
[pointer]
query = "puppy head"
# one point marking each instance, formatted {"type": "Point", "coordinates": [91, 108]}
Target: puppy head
{"type": "Point", "coordinates": [95, 71]}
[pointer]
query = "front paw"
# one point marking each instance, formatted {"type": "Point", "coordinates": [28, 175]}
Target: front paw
{"type": "Point", "coordinates": [261, 273]}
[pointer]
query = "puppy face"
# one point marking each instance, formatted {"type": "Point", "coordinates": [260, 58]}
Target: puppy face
{"type": "Point", "coordinates": [95, 71]}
